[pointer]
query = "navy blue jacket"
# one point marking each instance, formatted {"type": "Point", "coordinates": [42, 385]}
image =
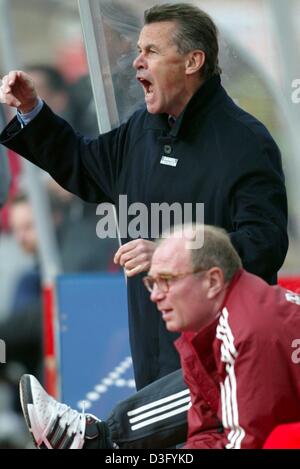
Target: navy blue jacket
{"type": "Point", "coordinates": [226, 159]}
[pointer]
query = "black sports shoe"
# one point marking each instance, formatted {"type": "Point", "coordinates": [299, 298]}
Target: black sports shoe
{"type": "Point", "coordinates": [56, 426]}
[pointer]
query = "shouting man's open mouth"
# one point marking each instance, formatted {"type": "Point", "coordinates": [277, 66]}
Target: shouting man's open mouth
{"type": "Point", "coordinates": [147, 85]}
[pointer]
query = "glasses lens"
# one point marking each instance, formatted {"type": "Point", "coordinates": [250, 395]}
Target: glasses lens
{"type": "Point", "coordinates": [161, 283]}
{"type": "Point", "coordinates": [149, 283]}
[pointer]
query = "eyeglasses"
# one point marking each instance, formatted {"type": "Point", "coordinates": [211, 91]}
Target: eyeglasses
{"type": "Point", "coordinates": [163, 281]}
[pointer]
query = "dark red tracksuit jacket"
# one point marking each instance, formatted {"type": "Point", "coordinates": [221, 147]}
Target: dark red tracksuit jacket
{"type": "Point", "coordinates": [243, 370]}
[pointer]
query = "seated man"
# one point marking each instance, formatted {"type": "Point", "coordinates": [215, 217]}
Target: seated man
{"type": "Point", "coordinates": [239, 352]}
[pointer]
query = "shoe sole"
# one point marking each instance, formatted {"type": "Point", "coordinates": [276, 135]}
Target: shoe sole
{"type": "Point", "coordinates": [26, 396]}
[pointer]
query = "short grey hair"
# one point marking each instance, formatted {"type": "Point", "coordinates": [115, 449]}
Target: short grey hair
{"type": "Point", "coordinates": [196, 30]}
{"type": "Point", "coordinates": [217, 251]}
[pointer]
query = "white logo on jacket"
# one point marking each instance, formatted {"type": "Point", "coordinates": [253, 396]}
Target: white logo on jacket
{"type": "Point", "coordinates": [292, 298]}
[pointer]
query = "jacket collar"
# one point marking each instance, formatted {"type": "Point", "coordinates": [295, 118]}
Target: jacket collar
{"type": "Point", "coordinates": [233, 283]}
{"type": "Point", "coordinates": [197, 359]}
{"type": "Point", "coordinates": [200, 102]}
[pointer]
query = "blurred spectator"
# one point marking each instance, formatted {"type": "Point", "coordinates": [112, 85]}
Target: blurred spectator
{"type": "Point", "coordinates": [52, 88]}
{"type": "Point", "coordinates": [22, 329]}
{"type": "Point", "coordinates": [14, 163]}
{"type": "Point", "coordinates": [70, 59]}
{"type": "Point", "coordinates": [74, 102]}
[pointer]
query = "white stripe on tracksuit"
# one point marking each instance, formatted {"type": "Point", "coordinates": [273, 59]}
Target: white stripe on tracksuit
{"type": "Point", "coordinates": [230, 411]}
{"type": "Point", "coordinates": [166, 407]}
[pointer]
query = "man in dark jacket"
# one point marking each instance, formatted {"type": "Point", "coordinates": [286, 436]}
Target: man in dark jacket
{"type": "Point", "coordinates": [191, 145]}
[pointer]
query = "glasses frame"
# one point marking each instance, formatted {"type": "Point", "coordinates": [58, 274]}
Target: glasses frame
{"type": "Point", "coordinates": [164, 280]}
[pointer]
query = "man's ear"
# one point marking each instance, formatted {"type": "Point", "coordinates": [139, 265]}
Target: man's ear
{"type": "Point", "coordinates": [194, 62]}
{"type": "Point", "coordinates": [216, 282]}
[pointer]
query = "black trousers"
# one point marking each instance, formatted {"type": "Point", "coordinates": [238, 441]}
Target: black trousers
{"type": "Point", "coordinates": [154, 418]}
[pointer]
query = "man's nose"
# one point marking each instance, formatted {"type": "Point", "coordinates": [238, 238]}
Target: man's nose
{"type": "Point", "coordinates": [156, 294]}
{"type": "Point", "coordinates": [139, 62]}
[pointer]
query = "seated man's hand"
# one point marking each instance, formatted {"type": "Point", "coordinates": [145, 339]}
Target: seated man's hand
{"type": "Point", "coordinates": [135, 256]}
{"type": "Point", "coordinates": [17, 90]}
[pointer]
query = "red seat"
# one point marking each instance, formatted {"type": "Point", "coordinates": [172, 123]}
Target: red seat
{"type": "Point", "coordinates": [285, 436]}
{"type": "Point", "coordinates": [290, 283]}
